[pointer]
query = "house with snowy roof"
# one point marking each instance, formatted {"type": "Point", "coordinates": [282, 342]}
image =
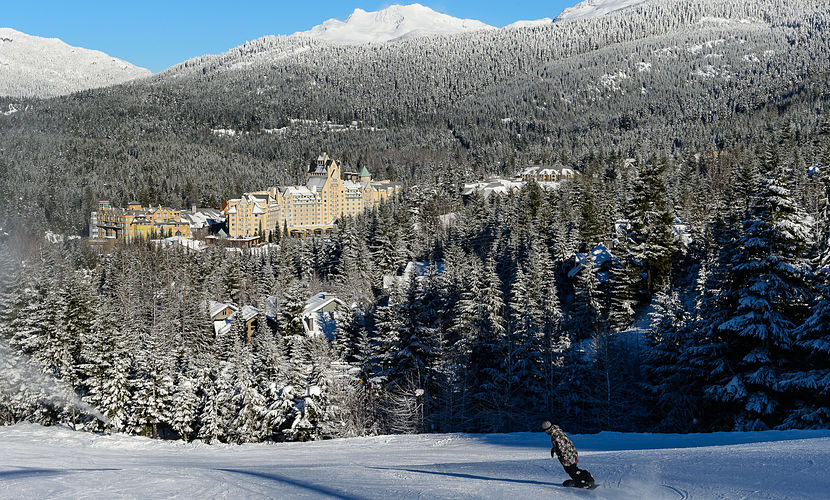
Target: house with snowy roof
{"type": "Point", "coordinates": [494, 185]}
{"type": "Point", "coordinates": [321, 313]}
{"type": "Point", "coordinates": [547, 174]}
{"type": "Point", "coordinates": [548, 178]}
{"type": "Point", "coordinates": [223, 314]}
{"type": "Point", "coordinates": [189, 244]}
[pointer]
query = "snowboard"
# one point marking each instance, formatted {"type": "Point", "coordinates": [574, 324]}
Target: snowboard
{"type": "Point", "coordinates": [570, 484]}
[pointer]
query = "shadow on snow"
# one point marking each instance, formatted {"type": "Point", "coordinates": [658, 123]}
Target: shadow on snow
{"type": "Point", "coordinates": [294, 482]}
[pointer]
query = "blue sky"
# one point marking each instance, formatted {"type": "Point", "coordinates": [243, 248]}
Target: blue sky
{"type": "Point", "coordinates": [157, 34]}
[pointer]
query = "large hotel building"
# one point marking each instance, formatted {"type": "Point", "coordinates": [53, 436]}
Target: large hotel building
{"type": "Point", "coordinates": [328, 194]}
{"type": "Point", "coordinates": [136, 223]}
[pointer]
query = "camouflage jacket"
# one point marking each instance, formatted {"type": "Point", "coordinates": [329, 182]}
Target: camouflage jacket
{"type": "Point", "coordinates": [563, 447]}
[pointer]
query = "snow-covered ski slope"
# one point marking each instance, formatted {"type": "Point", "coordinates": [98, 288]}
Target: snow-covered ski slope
{"type": "Point", "coordinates": [39, 462]}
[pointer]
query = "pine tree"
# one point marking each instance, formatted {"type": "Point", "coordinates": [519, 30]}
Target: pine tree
{"type": "Point", "coordinates": [622, 287]}
{"type": "Point", "coordinates": [769, 273]}
{"type": "Point", "coordinates": [487, 352]}
{"type": "Point", "coordinates": [106, 366]}
{"type": "Point", "coordinates": [184, 406]}
{"type": "Point", "coordinates": [522, 361]}
{"type": "Point", "coordinates": [291, 310]}
{"type": "Point", "coordinates": [249, 424]}
{"type": "Point", "coordinates": [270, 369]}
{"type": "Point", "coordinates": [810, 380]}
{"type": "Point", "coordinates": [673, 381]}
{"type": "Point", "coordinates": [651, 223]}
{"type": "Point", "coordinates": [463, 334]}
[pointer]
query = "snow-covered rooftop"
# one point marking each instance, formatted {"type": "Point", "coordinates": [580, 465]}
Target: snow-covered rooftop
{"type": "Point", "coordinates": [248, 313]}
{"type": "Point", "coordinates": [216, 307]}
{"type": "Point", "coordinates": [319, 301]}
{"type": "Point", "coordinates": [316, 183]}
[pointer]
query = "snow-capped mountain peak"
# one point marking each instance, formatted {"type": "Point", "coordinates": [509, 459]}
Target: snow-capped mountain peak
{"type": "Point", "coordinates": [595, 8]}
{"type": "Point", "coordinates": [34, 66]}
{"type": "Point", "coordinates": [396, 22]}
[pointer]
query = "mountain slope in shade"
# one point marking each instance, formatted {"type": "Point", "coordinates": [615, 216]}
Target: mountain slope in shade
{"type": "Point", "coordinates": [397, 22]}
{"type": "Point", "coordinates": [595, 8]}
{"type": "Point", "coordinates": [32, 66]}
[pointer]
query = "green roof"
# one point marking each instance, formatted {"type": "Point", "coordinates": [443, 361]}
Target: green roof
{"type": "Point", "coordinates": [364, 172]}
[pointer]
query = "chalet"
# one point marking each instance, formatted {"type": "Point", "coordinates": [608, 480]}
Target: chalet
{"type": "Point", "coordinates": [204, 220]}
{"type": "Point", "coordinates": [189, 244]}
{"type": "Point", "coordinates": [249, 315]}
{"type": "Point", "coordinates": [494, 185]}
{"type": "Point", "coordinates": [547, 174]}
{"type": "Point", "coordinates": [321, 313]}
{"type": "Point", "coordinates": [220, 311]}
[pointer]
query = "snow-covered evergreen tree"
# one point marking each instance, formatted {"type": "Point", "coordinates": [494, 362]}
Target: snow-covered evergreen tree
{"type": "Point", "coordinates": [249, 424]}
{"type": "Point", "coordinates": [185, 403]}
{"type": "Point", "coordinates": [106, 366]}
{"type": "Point", "coordinates": [672, 380]}
{"type": "Point", "coordinates": [769, 275]}
{"type": "Point", "coordinates": [651, 221]}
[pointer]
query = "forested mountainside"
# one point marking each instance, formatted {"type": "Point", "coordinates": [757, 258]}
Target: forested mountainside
{"type": "Point", "coordinates": [679, 283]}
{"type": "Point", "coordinates": [678, 78]}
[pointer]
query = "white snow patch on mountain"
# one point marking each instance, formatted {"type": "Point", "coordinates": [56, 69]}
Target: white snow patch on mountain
{"type": "Point", "coordinates": [595, 8]}
{"type": "Point", "coordinates": [32, 66]}
{"type": "Point", "coordinates": [396, 22]}
{"type": "Point", "coordinates": [545, 21]}
{"type": "Point", "coordinates": [56, 462]}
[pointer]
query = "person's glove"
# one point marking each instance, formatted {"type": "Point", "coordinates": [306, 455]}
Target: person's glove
{"type": "Point", "coordinates": [552, 453]}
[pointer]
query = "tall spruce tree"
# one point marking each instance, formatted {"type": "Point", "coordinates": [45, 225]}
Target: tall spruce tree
{"type": "Point", "coordinates": [768, 280]}
{"type": "Point", "coordinates": [651, 219]}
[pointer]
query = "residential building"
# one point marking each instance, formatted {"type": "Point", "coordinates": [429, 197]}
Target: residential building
{"type": "Point", "coordinates": [321, 313]}
{"type": "Point", "coordinates": [223, 315]}
{"type": "Point", "coordinates": [548, 178]}
{"type": "Point", "coordinates": [204, 220]}
{"type": "Point", "coordinates": [547, 174]}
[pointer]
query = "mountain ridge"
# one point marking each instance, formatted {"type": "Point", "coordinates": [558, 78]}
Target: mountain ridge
{"type": "Point", "coordinates": [47, 67]}
{"type": "Point", "coordinates": [596, 8]}
{"type": "Point", "coordinates": [396, 22]}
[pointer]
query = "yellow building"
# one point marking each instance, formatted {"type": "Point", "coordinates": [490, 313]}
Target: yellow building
{"type": "Point", "coordinates": [136, 222]}
{"type": "Point", "coordinates": [254, 214]}
{"type": "Point", "coordinates": [328, 194]}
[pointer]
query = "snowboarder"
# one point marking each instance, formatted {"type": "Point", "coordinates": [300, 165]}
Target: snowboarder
{"type": "Point", "coordinates": [563, 448]}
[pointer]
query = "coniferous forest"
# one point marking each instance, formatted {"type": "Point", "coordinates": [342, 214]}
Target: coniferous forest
{"type": "Point", "coordinates": [680, 283]}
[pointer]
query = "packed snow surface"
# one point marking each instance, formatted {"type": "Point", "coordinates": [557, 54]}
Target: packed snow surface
{"type": "Point", "coordinates": [595, 8]}
{"type": "Point", "coordinates": [56, 462]}
{"type": "Point", "coordinates": [396, 22]}
{"type": "Point", "coordinates": [32, 66]}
